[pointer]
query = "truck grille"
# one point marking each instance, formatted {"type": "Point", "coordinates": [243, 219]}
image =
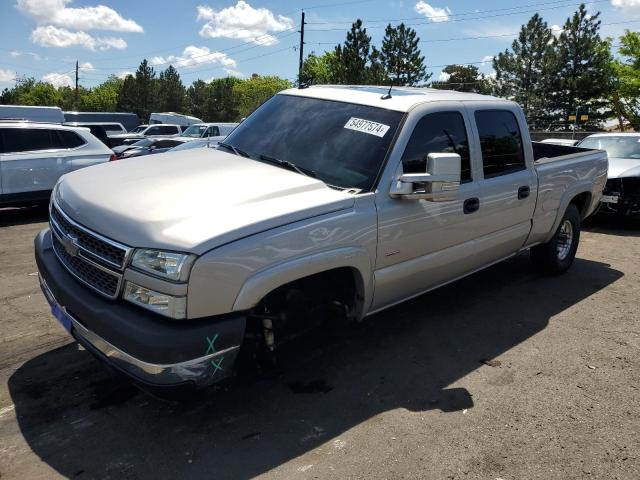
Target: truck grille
{"type": "Point", "coordinates": [101, 249]}
{"type": "Point", "coordinates": [100, 280]}
{"type": "Point", "coordinates": [91, 258]}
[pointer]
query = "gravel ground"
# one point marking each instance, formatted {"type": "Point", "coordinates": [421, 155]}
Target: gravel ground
{"type": "Point", "coordinates": [506, 374]}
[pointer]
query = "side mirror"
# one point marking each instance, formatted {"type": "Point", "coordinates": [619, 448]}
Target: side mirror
{"type": "Point", "coordinates": [440, 183]}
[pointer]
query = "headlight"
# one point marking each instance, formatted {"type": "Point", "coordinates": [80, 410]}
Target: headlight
{"type": "Point", "coordinates": [167, 305]}
{"type": "Point", "coordinates": [171, 265]}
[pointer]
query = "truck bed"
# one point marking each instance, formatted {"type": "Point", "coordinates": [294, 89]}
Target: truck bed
{"type": "Point", "coordinates": [549, 152]}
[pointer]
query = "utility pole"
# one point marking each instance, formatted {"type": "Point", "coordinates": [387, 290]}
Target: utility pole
{"type": "Point", "coordinates": [76, 102]}
{"type": "Point", "coordinates": [301, 47]}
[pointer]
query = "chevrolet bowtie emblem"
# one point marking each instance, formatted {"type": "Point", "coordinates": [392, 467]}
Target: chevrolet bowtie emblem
{"type": "Point", "coordinates": [70, 245]}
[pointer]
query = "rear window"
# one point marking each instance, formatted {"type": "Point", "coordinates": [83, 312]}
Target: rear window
{"type": "Point", "coordinates": [70, 139]}
{"type": "Point", "coordinates": [500, 142]}
{"type": "Point", "coordinates": [112, 128]}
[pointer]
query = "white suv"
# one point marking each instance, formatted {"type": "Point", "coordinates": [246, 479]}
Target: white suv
{"type": "Point", "coordinates": [34, 155]}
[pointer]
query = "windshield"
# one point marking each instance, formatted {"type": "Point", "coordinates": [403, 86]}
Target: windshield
{"type": "Point", "coordinates": [343, 144]}
{"type": "Point", "coordinates": [139, 128]}
{"type": "Point", "coordinates": [145, 142]}
{"type": "Point", "coordinates": [194, 131]}
{"type": "Point", "coordinates": [621, 147]}
{"type": "Point", "coordinates": [190, 145]}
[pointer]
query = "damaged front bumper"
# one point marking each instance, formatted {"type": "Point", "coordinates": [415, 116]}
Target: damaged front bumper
{"type": "Point", "coordinates": [621, 196]}
{"type": "Point", "coordinates": [150, 350]}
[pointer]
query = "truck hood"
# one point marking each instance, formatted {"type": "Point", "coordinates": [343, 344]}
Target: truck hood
{"type": "Point", "coordinates": [623, 167]}
{"type": "Point", "coordinates": [191, 201]}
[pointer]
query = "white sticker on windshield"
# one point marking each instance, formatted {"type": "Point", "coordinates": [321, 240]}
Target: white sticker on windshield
{"type": "Point", "coordinates": [367, 126]}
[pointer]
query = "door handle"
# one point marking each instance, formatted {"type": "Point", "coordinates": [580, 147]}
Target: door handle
{"type": "Point", "coordinates": [523, 192]}
{"type": "Point", "coordinates": [471, 205]}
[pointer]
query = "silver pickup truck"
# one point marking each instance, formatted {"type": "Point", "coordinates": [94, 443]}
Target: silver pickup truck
{"type": "Point", "coordinates": [327, 202]}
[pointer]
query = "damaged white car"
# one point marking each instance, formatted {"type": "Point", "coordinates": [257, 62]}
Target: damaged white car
{"type": "Point", "coordinates": [622, 192]}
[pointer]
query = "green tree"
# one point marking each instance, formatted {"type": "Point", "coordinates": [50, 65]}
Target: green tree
{"type": "Point", "coordinates": [197, 99]}
{"type": "Point", "coordinates": [318, 69]}
{"type": "Point", "coordinates": [104, 97]}
{"type": "Point", "coordinates": [171, 91]}
{"type": "Point", "coordinates": [463, 78]}
{"type": "Point", "coordinates": [145, 98]}
{"type": "Point", "coordinates": [523, 74]}
{"type": "Point", "coordinates": [401, 57]}
{"type": "Point", "coordinates": [581, 74]}
{"type": "Point", "coordinates": [351, 59]}
{"type": "Point", "coordinates": [253, 92]}
{"type": "Point", "coordinates": [626, 93]}
{"type": "Point", "coordinates": [224, 104]}
{"type": "Point", "coordinates": [128, 96]}
{"type": "Point", "coordinates": [39, 93]}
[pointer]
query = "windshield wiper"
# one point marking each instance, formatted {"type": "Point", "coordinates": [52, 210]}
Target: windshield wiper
{"type": "Point", "coordinates": [235, 150]}
{"type": "Point", "coordinates": [289, 165]}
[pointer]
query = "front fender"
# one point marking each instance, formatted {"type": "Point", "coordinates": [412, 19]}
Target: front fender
{"type": "Point", "coordinates": [261, 283]}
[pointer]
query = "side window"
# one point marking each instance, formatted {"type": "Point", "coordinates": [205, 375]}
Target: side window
{"type": "Point", "coordinates": [213, 132]}
{"type": "Point", "coordinates": [500, 142]}
{"type": "Point", "coordinates": [153, 131]}
{"type": "Point", "coordinates": [168, 130]}
{"type": "Point", "coordinates": [70, 139]}
{"type": "Point", "coordinates": [442, 132]}
{"type": "Point", "coordinates": [17, 140]}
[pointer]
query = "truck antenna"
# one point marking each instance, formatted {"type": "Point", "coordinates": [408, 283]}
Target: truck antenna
{"type": "Point", "coordinates": [387, 95]}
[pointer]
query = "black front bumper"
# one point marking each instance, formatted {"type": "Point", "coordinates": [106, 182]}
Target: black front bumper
{"type": "Point", "coordinates": [146, 347]}
{"type": "Point", "coordinates": [626, 193]}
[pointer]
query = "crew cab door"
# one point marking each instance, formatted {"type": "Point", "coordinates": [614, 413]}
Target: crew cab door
{"type": "Point", "coordinates": [508, 185]}
{"type": "Point", "coordinates": [422, 243]}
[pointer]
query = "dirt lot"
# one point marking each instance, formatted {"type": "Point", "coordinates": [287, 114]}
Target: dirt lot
{"type": "Point", "coordinates": [504, 375]}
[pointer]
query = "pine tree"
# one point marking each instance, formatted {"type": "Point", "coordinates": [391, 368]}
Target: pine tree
{"type": "Point", "coordinates": [524, 74]}
{"type": "Point", "coordinates": [582, 74]}
{"type": "Point", "coordinates": [463, 78]}
{"type": "Point", "coordinates": [128, 96]}
{"type": "Point", "coordinates": [197, 100]}
{"type": "Point", "coordinates": [145, 90]}
{"type": "Point", "coordinates": [170, 91]}
{"type": "Point", "coordinates": [353, 56]}
{"type": "Point", "coordinates": [401, 57]}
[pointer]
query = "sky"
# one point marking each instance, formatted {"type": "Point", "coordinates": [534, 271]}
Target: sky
{"type": "Point", "coordinates": [207, 39]}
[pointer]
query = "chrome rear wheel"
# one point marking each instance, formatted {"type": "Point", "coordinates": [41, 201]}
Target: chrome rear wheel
{"type": "Point", "coordinates": [565, 240]}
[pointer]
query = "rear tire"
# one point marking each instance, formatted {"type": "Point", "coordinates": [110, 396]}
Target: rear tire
{"type": "Point", "coordinates": [556, 256]}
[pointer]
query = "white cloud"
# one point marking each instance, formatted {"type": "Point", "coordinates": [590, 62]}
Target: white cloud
{"type": "Point", "coordinates": [631, 6]}
{"type": "Point", "coordinates": [50, 36]}
{"type": "Point", "coordinates": [58, 79]}
{"type": "Point", "coordinates": [7, 75]}
{"type": "Point", "coordinates": [124, 74]}
{"type": "Point", "coordinates": [434, 14]}
{"type": "Point", "coordinates": [193, 55]}
{"type": "Point", "coordinates": [86, 67]}
{"type": "Point", "coordinates": [243, 22]}
{"type": "Point", "coordinates": [233, 73]}
{"type": "Point", "coordinates": [556, 30]}
{"type": "Point", "coordinates": [16, 53]}
{"type": "Point", "coordinates": [487, 58]}
{"type": "Point", "coordinates": [444, 76]}
{"type": "Point", "coordinates": [55, 12]}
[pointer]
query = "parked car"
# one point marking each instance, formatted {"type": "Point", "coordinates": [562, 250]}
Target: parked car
{"type": "Point", "coordinates": [128, 120]}
{"type": "Point", "coordinates": [102, 131]}
{"type": "Point", "coordinates": [561, 141]}
{"type": "Point", "coordinates": [173, 117]}
{"type": "Point", "coordinates": [197, 143]}
{"type": "Point", "coordinates": [622, 192]}
{"type": "Point", "coordinates": [148, 131]}
{"type": "Point", "coordinates": [31, 114]}
{"type": "Point", "coordinates": [34, 155]}
{"type": "Point", "coordinates": [200, 130]}
{"type": "Point", "coordinates": [320, 194]}
{"type": "Point", "coordinates": [148, 146]}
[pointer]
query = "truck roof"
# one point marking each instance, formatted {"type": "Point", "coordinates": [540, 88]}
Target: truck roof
{"type": "Point", "coordinates": [402, 98]}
